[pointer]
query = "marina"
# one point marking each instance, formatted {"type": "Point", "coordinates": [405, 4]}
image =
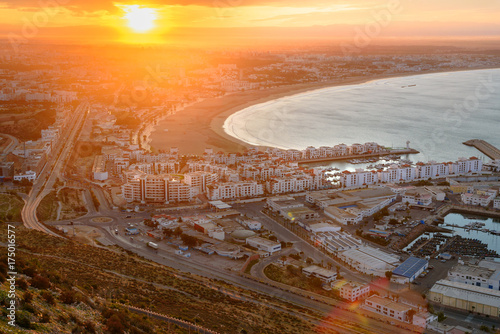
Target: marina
{"type": "Point", "coordinates": [468, 236]}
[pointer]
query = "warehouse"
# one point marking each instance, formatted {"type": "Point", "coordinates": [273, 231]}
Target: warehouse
{"type": "Point", "coordinates": [369, 260]}
{"type": "Point", "coordinates": [466, 297]}
{"type": "Point", "coordinates": [265, 245]}
{"type": "Point", "coordinates": [325, 275]}
{"type": "Point", "coordinates": [409, 270]}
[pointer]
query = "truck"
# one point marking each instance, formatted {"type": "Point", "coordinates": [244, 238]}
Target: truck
{"type": "Point", "coordinates": [152, 245]}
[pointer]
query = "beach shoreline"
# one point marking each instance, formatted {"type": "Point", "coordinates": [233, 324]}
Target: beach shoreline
{"type": "Point", "coordinates": [200, 125]}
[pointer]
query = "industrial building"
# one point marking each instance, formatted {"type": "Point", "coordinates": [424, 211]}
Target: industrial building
{"type": "Point", "coordinates": [369, 260]}
{"type": "Point", "coordinates": [99, 169]}
{"type": "Point", "coordinates": [484, 277]}
{"type": "Point", "coordinates": [350, 207]}
{"type": "Point", "coordinates": [466, 297]}
{"type": "Point", "coordinates": [407, 271]}
{"type": "Point", "coordinates": [323, 274]}
{"type": "Point", "coordinates": [265, 245]}
{"type": "Point", "coordinates": [336, 241]}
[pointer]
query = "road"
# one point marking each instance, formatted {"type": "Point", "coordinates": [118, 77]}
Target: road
{"type": "Point", "coordinates": [52, 170]}
{"type": "Point", "coordinates": [165, 257]}
{"type": "Point", "coordinates": [14, 142]}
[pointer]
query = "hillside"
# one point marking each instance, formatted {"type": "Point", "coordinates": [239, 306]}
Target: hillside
{"type": "Point", "coordinates": [85, 281]}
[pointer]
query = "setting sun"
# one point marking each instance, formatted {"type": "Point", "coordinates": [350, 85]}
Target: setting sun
{"type": "Point", "coordinates": [140, 19]}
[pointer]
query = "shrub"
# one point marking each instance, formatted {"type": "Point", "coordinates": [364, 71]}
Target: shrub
{"type": "Point", "coordinates": [40, 282]}
{"type": "Point", "coordinates": [48, 297]}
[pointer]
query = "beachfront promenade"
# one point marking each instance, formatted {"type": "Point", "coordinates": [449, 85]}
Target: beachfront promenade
{"type": "Point", "coordinates": [363, 155]}
{"type": "Point", "coordinates": [485, 147]}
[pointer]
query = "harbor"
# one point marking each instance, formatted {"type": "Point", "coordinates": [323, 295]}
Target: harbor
{"type": "Point", "coordinates": [484, 147]}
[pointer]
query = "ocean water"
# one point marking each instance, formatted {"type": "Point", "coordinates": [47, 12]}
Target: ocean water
{"type": "Point", "coordinates": [435, 112]}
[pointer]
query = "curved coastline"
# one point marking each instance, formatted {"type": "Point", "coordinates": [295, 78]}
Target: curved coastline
{"type": "Point", "coordinates": [201, 125]}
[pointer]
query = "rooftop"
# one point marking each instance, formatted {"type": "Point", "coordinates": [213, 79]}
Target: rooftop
{"type": "Point", "coordinates": [473, 271]}
{"type": "Point", "coordinates": [390, 304]}
{"type": "Point", "coordinates": [469, 292]}
{"type": "Point", "coordinates": [410, 267]}
{"type": "Point", "coordinates": [319, 271]}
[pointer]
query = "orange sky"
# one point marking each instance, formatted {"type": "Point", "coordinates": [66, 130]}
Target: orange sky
{"type": "Point", "coordinates": [103, 20]}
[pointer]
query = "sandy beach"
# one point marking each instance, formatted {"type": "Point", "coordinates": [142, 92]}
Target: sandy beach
{"type": "Point", "coordinates": [200, 125]}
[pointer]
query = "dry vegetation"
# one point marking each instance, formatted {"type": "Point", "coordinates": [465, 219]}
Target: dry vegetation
{"type": "Point", "coordinates": [11, 206]}
{"type": "Point", "coordinates": [71, 201]}
{"type": "Point", "coordinates": [138, 282]}
{"type": "Point", "coordinates": [293, 276]}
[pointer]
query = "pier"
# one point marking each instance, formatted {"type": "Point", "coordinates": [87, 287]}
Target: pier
{"type": "Point", "coordinates": [485, 147]}
{"type": "Point", "coordinates": [402, 151]}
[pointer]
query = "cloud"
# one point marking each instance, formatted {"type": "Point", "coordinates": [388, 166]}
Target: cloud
{"type": "Point", "coordinates": [109, 5]}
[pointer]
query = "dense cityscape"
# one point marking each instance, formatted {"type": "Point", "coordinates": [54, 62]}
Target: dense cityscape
{"type": "Point", "coordinates": [128, 207]}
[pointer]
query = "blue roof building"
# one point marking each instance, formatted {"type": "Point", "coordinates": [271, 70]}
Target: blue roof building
{"type": "Point", "coordinates": [410, 269]}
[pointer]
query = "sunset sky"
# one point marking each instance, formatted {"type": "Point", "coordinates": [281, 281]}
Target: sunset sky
{"type": "Point", "coordinates": [104, 20]}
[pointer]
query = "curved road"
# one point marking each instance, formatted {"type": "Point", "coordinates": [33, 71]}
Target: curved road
{"type": "Point", "coordinates": [53, 169]}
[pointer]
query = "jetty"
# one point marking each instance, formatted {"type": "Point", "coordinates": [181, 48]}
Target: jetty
{"type": "Point", "coordinates": [402, 151]}
{"type": "Point", "coordinates": [485, 147]}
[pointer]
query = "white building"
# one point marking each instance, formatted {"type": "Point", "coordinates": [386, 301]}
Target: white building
{"type": "Point", "coordinates": [323, 274]}
{"type": "Point", "coordinates": [200, 180]}
{"type": "Point", "coordinates": [353, 291]}
{"type": "Point", "coordinates": [265, 245]}
{"type": "Point", "coordinates": [475, 275]}
{"type": "Point", "coordinates": [359, 178]}
{"type": "Point", "coordinates": [417, 197]}
{"type": "Point", "coordinates": [147, 188]}
{"type": "Point", "coordinates": [29, 175]}
{"type": "Point", "coordinates": [388, 307]}
{"type": "Point", "coordinates": [233, 190]}
{"type": "Point", "coordinates": [496, 203]}
{"type": "Point", "coordinates": [432, 170]}
{"type": "Point", "coordinates": [482, 198]}
{"type": "Point", "coordinates": [99, 169]}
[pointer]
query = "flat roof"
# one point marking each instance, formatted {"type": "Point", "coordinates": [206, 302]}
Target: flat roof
{"type": "Point", "coordinates": [410, 267]}
{"type": "Point", "coordinates": [220, 205]}
{"type": "Point", "coordinates": [468, 292]}
{"type": "Point", "coordinates": [320, 271]}
{"type": "Point", "coordinates": [302, 209]}
{"type": "Point", "coordinates": [473, 271]}
{"type": "Point", "coordinates": [264, 241]}
{"type": "Point", "coordinates": [390, 304]}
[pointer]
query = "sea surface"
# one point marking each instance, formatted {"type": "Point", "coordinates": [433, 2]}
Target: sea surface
{"type": "Point", "coordinates": [435, 112]}
{"type": "Point", "coordinates": [461, 220]}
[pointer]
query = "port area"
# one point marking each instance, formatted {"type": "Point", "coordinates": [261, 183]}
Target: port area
{"type": "Point", "coordinates": [435, 236]}
{"type": "Point", "coordinates": [392, 152]}
{"type": "Point", "coordinates": [484, 147]}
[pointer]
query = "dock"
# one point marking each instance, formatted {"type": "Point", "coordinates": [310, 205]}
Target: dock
{"type": "Point", "coordinates": [402, 151]}
{"type": "Point", "coordinates": [485, 147]}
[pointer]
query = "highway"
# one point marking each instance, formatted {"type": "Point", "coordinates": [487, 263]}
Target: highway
{"type": "Point", "coordinates": [53, 168]}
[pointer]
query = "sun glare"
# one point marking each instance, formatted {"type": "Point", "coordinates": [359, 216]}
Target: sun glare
{"type": "Point", "coordinates": [140, 20]}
